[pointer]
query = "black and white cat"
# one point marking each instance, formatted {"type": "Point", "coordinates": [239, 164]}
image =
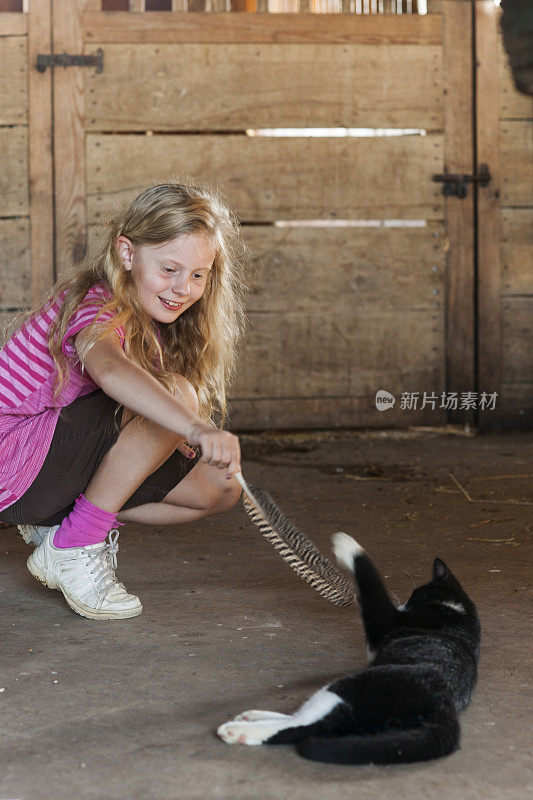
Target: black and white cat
{"type": "Point", "coordinates": [404, 706]}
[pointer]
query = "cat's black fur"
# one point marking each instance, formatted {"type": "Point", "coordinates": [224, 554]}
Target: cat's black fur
{"type": "Point", "coordinates": [404, 706]}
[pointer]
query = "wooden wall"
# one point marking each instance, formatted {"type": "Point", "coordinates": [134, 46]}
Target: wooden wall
{"type": "Point", "coordinates": [15, 275]}
{"type": "Point", "coordinates": [515, 128]}
{"type": "Point", "coordinates": [336, 312]}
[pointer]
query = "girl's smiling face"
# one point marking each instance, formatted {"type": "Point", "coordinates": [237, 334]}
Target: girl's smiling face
{"type": "Point", "coordinates": [169, 277]}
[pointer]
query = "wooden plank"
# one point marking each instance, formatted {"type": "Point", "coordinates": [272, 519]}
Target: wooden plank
{"type": "Point", "coordinates": [513, 104]}
{"type": "Point", "coordinates": [517, 251]}
{"type": "Point", "coordinates": [319, 413]}
{"type": "Point", "coordinates": [15, 273]}
{"type": "Point", "coordinates": [40, 153]}
{"type": "Point", "coordinates": [390, 268]}
{"type": "Point", "coordinates": [232, 87]}
{"type": "Point", "coordinates": [458, 108]}
{"type": "Point", "coordinates": [269, 179]}
{"type": "Point", "coordinates": [312, 270]}
{"type": "Point", "coordinates": [517, 162]}
{"type": "Point", "coordinates": [515, 406]}
{"type": "Point", "coordinates": [13, 24]}
{"type": "Point", "coordinates": [489, 330]}
{"type": "Point", "coordinates": [13, 80]}
{"type": "Point", "coordinates": [335, 354]}
{"type": "Point", "coordinates": [13, 172]}
{"type": "Point", "coordinates": [69, 118]}
{"type": "Point", "coordinates": [517, 315]}
{"type": "Point", "coordinates": [155, 27]}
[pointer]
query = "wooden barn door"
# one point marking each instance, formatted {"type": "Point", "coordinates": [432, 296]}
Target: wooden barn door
{"type": "Point", "coordinates": [366, 270]}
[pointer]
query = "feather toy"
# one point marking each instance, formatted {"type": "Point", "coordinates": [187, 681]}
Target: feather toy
{"type": "Point", "coordinates": [295, 548]}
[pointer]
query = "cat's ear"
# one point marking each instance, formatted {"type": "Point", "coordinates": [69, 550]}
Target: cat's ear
{"type": "Point", "coordinates": [440, 570]}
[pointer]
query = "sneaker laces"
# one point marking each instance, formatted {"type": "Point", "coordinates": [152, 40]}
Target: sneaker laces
{"type": "Point", "coordinates": [105, 564]}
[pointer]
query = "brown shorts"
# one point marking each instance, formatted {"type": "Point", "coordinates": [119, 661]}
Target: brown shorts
{"type": "Point", "coordinates": [84, 433]}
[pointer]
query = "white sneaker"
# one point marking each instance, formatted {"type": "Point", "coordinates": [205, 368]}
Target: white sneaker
{"type": "Point", "coordinates": [86, 576]}
{"type": "Point", "coordinates": [34, 534]}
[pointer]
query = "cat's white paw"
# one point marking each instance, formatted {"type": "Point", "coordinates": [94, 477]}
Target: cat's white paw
{"type": "Point", "coordinates": [238, 733]}
{"type": "Point", "coordinates": [346, 549]}
{"type": "Point", "coordinates": [254, 714]}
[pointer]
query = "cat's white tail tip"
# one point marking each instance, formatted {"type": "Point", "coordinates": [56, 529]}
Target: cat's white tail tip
{"type": "Point", "coordinates": [346, 549]}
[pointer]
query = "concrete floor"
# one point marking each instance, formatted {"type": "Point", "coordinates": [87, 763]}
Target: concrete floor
{"type": "Point", "coordinates": [130, 709]}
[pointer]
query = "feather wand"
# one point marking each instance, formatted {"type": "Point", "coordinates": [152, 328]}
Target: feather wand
{"type": "Point", "coordinates": [295, 548]}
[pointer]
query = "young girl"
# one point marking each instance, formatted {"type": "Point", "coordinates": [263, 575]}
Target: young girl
{"type": "Point", "coordinates": [105, 388]}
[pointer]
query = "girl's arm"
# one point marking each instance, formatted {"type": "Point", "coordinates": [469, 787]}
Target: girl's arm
{"type": "Point", "coordinates": [129, 384]}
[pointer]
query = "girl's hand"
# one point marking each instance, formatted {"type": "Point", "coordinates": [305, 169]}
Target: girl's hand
{"type": "Point", "coordinates": [219, 448]}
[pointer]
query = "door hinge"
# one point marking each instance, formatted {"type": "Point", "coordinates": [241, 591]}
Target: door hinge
{"type": "Point", "coordinates": [457, 184]}
{"type": "Point", "coordinates": [67, 60]}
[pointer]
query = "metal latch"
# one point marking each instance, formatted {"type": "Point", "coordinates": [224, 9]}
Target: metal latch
{"type": "Point", "coordinates": [66, 60]}
{"type": "Point", "coordinates": [457, 184]}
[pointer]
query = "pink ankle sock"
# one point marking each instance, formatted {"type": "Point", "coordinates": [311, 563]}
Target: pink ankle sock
{"type": "Point", "coordinates": [86, 524]}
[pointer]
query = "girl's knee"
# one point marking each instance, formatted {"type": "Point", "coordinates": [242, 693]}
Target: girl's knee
{"type": "Point", "coordinates": [224, 497]}
{"type": "Point", "coordinates": [186, 392]}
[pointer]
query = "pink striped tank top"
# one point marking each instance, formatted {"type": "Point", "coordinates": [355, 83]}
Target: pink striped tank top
{"type": "Point", "coordinates": [28, 413]}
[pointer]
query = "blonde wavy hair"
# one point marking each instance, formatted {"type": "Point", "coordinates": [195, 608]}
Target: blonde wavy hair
{"type": "Point", "coordinates": [202, 343]}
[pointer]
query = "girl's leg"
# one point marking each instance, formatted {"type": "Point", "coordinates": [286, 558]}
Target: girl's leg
{"type": "Point", "coordinates": [205, 490]}
{"type": "Point", "coordinates": [140, 449]}
{"type": "Point", "coordinates": [85, 572]}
